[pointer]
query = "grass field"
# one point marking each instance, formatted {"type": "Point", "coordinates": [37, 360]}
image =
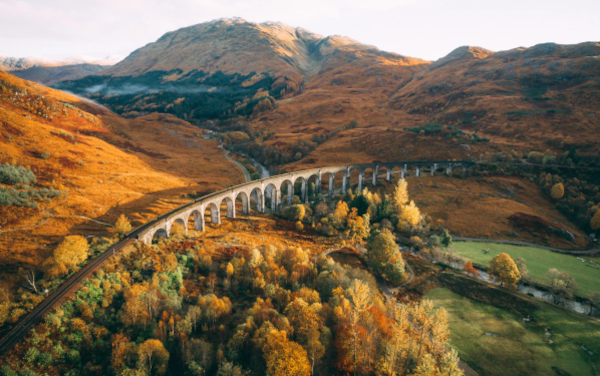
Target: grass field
{"type": "Point", "coordinates": [494, 341]}
{"type": "Point", "coordinates": [538, 262]}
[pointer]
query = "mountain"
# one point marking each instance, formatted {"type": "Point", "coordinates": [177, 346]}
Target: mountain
{"type": "Point", "coordinates": [69, 166]}
{"type": "Point", "coordinates": [303, 99]}
{"type": "Point", "coordinates": [228, 68]}
{"type": "Point", "coordinates": [50, 72]}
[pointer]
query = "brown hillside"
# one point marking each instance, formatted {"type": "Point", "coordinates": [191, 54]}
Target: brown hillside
{"type": "Point", "coordinates": [107, 165]}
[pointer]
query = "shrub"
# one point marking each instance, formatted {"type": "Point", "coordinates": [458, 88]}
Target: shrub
{"type": "Point", "coordinates": [294, 213]}
{"type": "Point", "coordinates": [44, 359]}
{"type": "Point", "coordinates": [299, 226]}
{"type": "Point", "coordinates": [45, 155]}
{"type": "Point", "coordinates": [15, 175]}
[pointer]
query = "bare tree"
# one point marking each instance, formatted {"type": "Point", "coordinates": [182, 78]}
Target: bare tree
{"type": "Point", "coordinates": [29, 276]}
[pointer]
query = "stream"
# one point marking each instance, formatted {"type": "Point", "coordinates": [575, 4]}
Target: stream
{"type": "Point", "coordinates": [570, 304]}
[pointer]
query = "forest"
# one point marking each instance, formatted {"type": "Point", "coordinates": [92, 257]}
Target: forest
{"type": "Point", "coordinates": [195, 96]}
{"type": "Point", "coordinates": [238, 303]}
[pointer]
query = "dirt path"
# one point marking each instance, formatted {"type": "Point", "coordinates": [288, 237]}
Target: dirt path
{"type": "Point", "coordinates": [527, 244]}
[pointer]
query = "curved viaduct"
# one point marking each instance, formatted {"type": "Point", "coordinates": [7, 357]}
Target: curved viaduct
{"type": "Point", "coordinates": [274, 188]}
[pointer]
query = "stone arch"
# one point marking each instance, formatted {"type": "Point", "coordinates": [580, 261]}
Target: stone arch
{"type": "Point", "coordinates": [257, 196]}
{"type": "Point", "coordinates": [287, 192]}
{"type": "Point", "coordinates": [426, 170]}
{"type": "Point", "coordinates": [354, 177]}
{"type": "Point", "coordinates": [214, 213]}
{"type": "Point", "coordinates": [244, 202]}
{"type": "Point", "coordinates": [327, 184]}
{"type": "Point", "coordinates": [161, 233]}
{"type": "Point", "coordinates": [194, 221]}
{"type": "Point", "coordinates": [369, 176]}
{"type": "Point", "coordinates": [228, 204]}
{"type": "Point", "coordinates": [313, 187]}
{"type": "Point", "coordinates": [179, 222]}
{"type": "Point", "coordinates": [274, 195]}
{"type": "Point", "coordinates": [397, 172]}
{"type": "Point", "coordinates": [440, 169]}
{"type": "Point", "coordinates": [384, 172]}
{"type": "Point", "coordinates": [300, 188]}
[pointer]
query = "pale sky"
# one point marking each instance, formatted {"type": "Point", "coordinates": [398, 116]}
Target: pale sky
{"type": "Point", "coordinates": [428, 29]}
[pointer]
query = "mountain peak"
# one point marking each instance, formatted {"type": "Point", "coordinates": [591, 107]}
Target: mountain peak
{"type": "Point", "coordinates": [463, 53]}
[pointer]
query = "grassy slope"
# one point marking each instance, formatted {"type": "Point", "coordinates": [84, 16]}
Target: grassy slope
{"type": "Point", "coordinates": [140, 167]}
{"type": "Point", "coordinates": [518, 347]}
{"type": "Point", "coordinates": [538, 262]}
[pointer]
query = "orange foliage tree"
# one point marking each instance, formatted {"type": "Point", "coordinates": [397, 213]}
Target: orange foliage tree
{"type": "Point", "coordinates": [505, 270]}
{"type": "Point", "coordinates": [470, 269]}
{"type": "Point", "coordinates": [68, 255]}
{"type": "Point", "coordinates": [285, 357]}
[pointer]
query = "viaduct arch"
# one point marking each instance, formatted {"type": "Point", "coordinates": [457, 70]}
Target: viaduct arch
{"type": "Point", "coordinates": [275, 187]}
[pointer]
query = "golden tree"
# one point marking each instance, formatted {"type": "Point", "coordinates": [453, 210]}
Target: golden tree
{"type": "Point", "coordinates": [340, 213]}
{"type": "Point", "coordinates": [558, 191]}
{"type": "Point", "coordinates": [153, 357]}
{"type": "Point", "coordinates": [122, 226]}
{"type": "Point", "coordinates": [356, 227]}
{"type": "Point", "coordinates": [505, 270]}
{"type": "Point", "coordinates": [411, 214]}
{"type": "Point", "coordinates": [68, 255]}
{"type": "Point", "coordinates": [400, 196]}
{"type": "Point", "coordinates": [595, 222]}
{"type": "Point", "coordinates": [284, 357]}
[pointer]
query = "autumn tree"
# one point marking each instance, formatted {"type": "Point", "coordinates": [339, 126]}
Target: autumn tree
{"type": "Point", "coordinates": [340, 213]}
{"type": "Point", "coordinates": [522, 266]}
{"type": "Point", "coordinates": [470, 269]}
{"type": "Point", "coordinates": [400, 196]}
{"type": "Point", "coordinates": [294, 212]}
{"type": "Point", "coordinates": [69, 254]}
{"type": "Point", "coordinates": [385, 256]}
{"type": "Point", "coordinates": [563, 284]}
{"type": "Point", "coordinates": [153, 357]}
{"type": "Point", "coordinates": [595, 222]}
{"type": "Point", "coordinates": [558, 191]}
{"type": "Point", "coordinates": [357, 228]}
{"type": "Point", "coordinates": [504, 269]}
{"type": "Point", "coordinates": [411, 214]}
{"type": "Point", "coordinates": [285, 357]}
{"type": "Point", "coordinates": [122, 226]}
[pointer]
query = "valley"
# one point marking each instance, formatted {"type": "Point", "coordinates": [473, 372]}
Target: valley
{"type": "Point", "coordinates": [240, 198]}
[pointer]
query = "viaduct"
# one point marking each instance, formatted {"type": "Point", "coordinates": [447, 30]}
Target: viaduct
{"type": "Point", "coordinates": [272, 190]}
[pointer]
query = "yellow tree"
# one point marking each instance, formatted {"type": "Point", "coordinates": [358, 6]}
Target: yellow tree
{"type": "Point", "coordinates": [285, 357]}
{"type": "Point", "coordinates": [122, 226]}
{"type": "Point", "coordinates": [68, 255]}
{"type": "Point", "coordinates": [505, 270]}
{"type": "Point", "coordinates": [400, 196]}
{"type": "Point", "coordinates": [153, 357]}
{"type": "Point", "coordinates": [340, 213]}
{"type": "Point", "coordinates": [411, 214]}
{"type": "Point", "coordinates": [558, 191]}
{"type": "Point", "coordinates": [134, 309]}
{"type": "Point", "coordinates": [356, 227]}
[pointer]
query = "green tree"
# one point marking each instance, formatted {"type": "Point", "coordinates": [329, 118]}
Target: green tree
{"type": "Point", "coordinates": [385, 256]}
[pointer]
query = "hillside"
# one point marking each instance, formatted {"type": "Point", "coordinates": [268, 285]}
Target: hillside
{"type": "Point", "coordinates": [90, 166]}
{"type": "Point", "coordinates": [306, 99]}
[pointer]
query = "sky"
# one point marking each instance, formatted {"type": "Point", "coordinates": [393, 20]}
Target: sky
{"type": "Point", "coordinates": [428, 29]}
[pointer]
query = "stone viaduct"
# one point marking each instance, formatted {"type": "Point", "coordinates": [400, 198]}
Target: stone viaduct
{"type": "Point", "coordinates": [273, 189]}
